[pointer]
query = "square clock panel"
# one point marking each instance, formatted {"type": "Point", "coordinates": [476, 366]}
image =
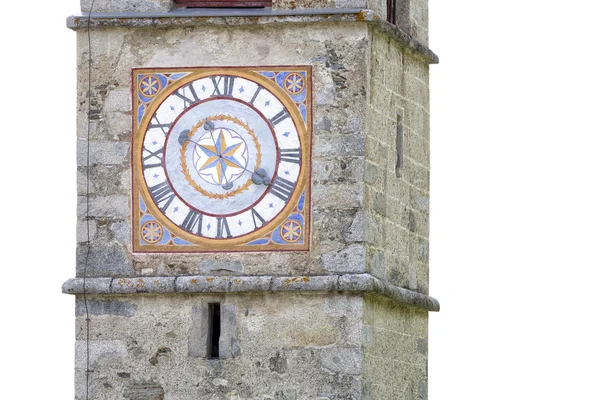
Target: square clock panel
{"type": "Point", "coordinates": [221, 159]}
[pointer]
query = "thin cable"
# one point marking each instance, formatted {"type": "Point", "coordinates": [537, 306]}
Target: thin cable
{"type": "Point", "coordinates": [87, 205]}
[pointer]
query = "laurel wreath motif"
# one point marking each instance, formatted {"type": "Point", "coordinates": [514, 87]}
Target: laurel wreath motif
{"type": "Point", "coordinates": [185, 169]}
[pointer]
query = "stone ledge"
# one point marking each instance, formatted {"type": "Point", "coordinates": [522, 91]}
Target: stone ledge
{"type": "Point", "coordinates": [249, 16]}
{"type": "Point", "coordinates": [353, 283]}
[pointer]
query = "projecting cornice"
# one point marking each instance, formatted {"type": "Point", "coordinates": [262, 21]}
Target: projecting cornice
{"type": "Point", "coordinates": [250, 16]}
{"type": "Point", "coordinates": [352, 283]}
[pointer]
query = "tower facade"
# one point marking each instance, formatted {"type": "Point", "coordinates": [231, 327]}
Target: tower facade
{"type": "Point", "coordinates": [254, 200]}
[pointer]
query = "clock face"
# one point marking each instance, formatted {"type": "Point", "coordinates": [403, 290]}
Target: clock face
{"type": "Point", "coordinates": [221, 159]}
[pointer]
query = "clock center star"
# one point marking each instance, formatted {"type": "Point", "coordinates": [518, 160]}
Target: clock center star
{"type": "Point", "coordinates": [223, 156]}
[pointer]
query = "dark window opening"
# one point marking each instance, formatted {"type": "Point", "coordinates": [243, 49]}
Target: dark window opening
{"type": "Point", "coordinates": [224, 3]}
{"type": "Point", "coordinates": [391, 11]}
{"type": "Point", "coordinates": [214, 321]}
{"type": "Point", "coordinates": [398, 13]}
{"type": "Point", "coordinates": [399, 146]}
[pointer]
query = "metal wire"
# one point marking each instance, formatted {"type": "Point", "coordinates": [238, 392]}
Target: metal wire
{"type": "Point", "coordinates": [87, 210]}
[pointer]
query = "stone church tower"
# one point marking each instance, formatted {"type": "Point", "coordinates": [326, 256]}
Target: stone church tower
{"type": "Point", "coordinates": [253, 199]}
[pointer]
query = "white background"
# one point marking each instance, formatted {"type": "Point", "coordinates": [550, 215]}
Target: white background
{"type": "Point", "coordinates": [515, 206]}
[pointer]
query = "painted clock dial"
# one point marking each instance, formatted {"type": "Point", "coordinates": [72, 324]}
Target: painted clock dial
{"type": "Point", "coordinates": [221, 159]}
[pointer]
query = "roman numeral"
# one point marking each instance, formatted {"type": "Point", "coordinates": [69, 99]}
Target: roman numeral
{"type": "Point", "coordinates": [255, 95]}
{"type": "Point", "coordinates": [193, 222]}
{"type": "Point", "coordinates": [162, 194]}
{"type": "Point", "coordinates": [222, 228]}
{"type": "Point", "coordinates": [157, 154]}
{"type": "Point", "coordinates": [186, 100]}
{"type": "Point", "coordinates": [156, 124]}
{"type": "Point", "coordinates": [255, 216]}
{"type": "Point", "coordinates": [281, 115]}
{"type": "Point", "coordinates": [290, 155]}
{"type": "Point", "coordinates": [227, 86]}
{"type": "Point", "coordinates": [282, 188]}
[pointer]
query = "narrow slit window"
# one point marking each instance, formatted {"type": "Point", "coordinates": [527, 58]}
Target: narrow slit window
{"type": "Point", "coordinates": [214, 320]}
{"type": "Point", "coordinates": [399, 146]}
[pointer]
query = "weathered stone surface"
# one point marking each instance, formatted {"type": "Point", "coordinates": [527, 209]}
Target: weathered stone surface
{"type": "Point", "coordinates": [229, 346]}
{"type": "Point", "coordinates": [342, 360]}
{"type": "Point", "coordinates": [300, 283]}
{"type": "Point", "coordinates": [104, 206]}
{"type": "Point", "coordinates": [340, 145]}
{"type": "Point", "coordinates": [144, 285]}
{"type": "Point", "coordinates": [216, 266]}
{"type": "Point", "coordinates": [360, 283]}
{"type": "Point", "coordinates": [144, 390]}
{"type": "Point", "coordinates": [121, 231]}
{"type": "Point", "coordinates": [348, 260]}
{"type": "Point", "coordinates": [102, 353]}
{"type": "Point", "coordinates": [199, 333]}
{"type": "Point", "coordinates": [85, 230]}
{"type": "Point", "coordinates": [105, 153]}
{"type": "Point", "coordinates": [338, 196]}
{"type": "Point", "coordinates": [93, 285]}
{"type": "Point", "coordinates": [105, 307]}
{"type": "Point", "coordinates": [109, 260]}
{"type": "Point", "coordinates": [202, 284]}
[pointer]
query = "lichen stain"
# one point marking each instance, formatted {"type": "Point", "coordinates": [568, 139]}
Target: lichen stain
{"type": "Point", "coordinates": [124, 282]}
{"type": "Point", "coordinates": [195, 281]}
{"type": "Point", "coordinates": [210, 279]}
{"type": "Point", "coordinates": [162, 351]}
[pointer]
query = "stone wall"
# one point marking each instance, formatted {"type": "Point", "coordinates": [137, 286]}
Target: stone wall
{"type": "Point", "coordinates": [369, 214]}
{"type": "Point", "coordinates": [336, 53]}
{"type": "Point", "coordinates": [397, 166]}
{"type": "Point", "coordinates": [395, 351]}
{"type": "Point", "coordinates": [273, 346]}
{"type": "Point", "coordinates": [279, 347]}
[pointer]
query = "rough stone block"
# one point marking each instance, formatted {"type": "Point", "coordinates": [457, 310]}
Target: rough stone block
{"type": "Point", "coordinates": [102, 353]}
{"type": "Point", "coordinates": [338, 196]}
{"type": "Point", "coordinates": [144, 390]}
{"type": "Point", "coordinates": [356, 232]}
{"type": "Point", "coordinates": [200, 284]}
{"type": "Point", "coordinates": [82, 231]}
{"type": "Point", "coordinates": [337, 170]}
{"type": "Point", "coordinates": [110, 260]}
{"type": "Point", "coordinates": [339, 145]}
{"type": "Point", "coordinates": [348, 260]}
{"type": "Point", "coordinates": [105, 307]}
{"type": "Point", "coordinates": [220, 267]}
{"type": "Point", "coordinates": [106, 153]}
{"type": "Point", "coordinates": [144, 285]}
{"type": "Point", "coordinates": [121, 232]}
{"type": "Point", "coordinates": [357, 283]}
{"type": "Point", "coordinates": [309, 283]}
{"type": "Point", "coordinates": [199, 331]}
{"type": "Point", "coordinates": [378, 266]}
{"type": "Point", "coordinates": [228, 342]}
{"type": "Point", "coordinates": [92, 285]}
{"type": "Point", "coordinates": [108, 206]}
{"type": "Point", "coordinates": [250, 284]}
{"type": "Point", "coordinates": [345, 361]}
{"type": "Point", "coordinates": [118, 100]}
{"type": "Point", "coordinates": [343, 306]}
